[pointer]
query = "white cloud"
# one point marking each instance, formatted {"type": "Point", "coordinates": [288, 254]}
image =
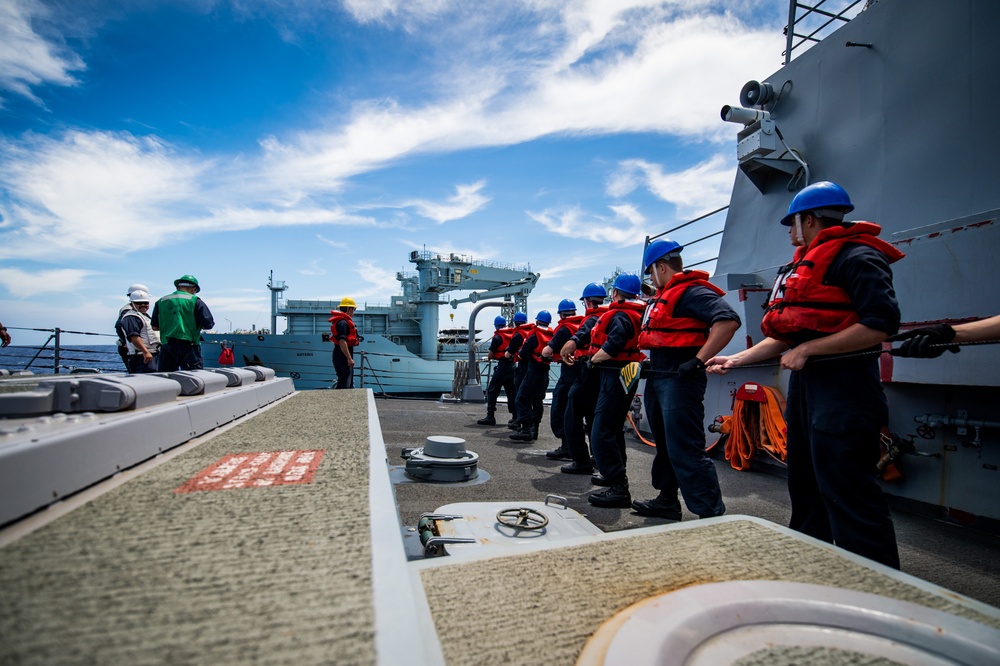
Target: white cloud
{"type": "Point", "coordinates": [380, 283]}
{"type": "Point", "coordinates": [24, 284]}
{"type": "Point", "coordinates": [27, 59]}
{"type": "Point", "coordinates": [635, 66]}
{"type": "Point", "coordinates": [464, 202]}
{"type": "Point", "coordinates": [704, 187]}
{"type": "Point", "coordinates": [625, 227]}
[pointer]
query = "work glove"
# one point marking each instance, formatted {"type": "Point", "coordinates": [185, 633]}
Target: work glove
{"type": "Point", "coordinates": [917, 343]}
{"type": "Point", "coordinates": [691, 368]}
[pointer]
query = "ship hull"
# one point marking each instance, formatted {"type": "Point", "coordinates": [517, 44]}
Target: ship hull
{"type": "Point", "coordinates": [380, 364]}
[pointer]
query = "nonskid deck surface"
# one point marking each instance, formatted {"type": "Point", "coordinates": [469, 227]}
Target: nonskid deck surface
{"type": "Point", "coordinates": [948, 555]}
{"type": "Point", "coordinates": [146, 574]}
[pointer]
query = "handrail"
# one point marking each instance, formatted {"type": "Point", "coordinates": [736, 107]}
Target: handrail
{"type": "Point", "coordinates": [794, 18]}
{"type": "Point", "coordinates": [57, 350]}
{"type": "Point", "coordinates": [650, 239]}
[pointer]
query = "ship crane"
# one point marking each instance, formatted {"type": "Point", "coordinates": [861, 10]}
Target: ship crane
{"type": "Point", "coordinates": [438, 273]}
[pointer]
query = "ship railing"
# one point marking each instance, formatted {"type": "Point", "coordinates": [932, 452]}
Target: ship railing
{"type": "Point", "coordinates": [816, 21]}
{"type": "Point", "coordinates": [687, 245]}
{"type": "Point", "coordinates": [55, 356]}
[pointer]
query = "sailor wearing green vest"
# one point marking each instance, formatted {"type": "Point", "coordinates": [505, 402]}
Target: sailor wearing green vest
{"type": "Point", "coordinates": [180, 317]}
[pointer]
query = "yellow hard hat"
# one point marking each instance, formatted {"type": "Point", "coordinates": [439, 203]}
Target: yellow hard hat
{"type": "Point", "coordinates": [347, 302]}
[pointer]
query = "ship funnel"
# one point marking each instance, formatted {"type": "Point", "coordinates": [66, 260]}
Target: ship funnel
{"type": "Point", "coordinates": [736, 114]}
{"type": "Point", "coordinates": [755, 93]}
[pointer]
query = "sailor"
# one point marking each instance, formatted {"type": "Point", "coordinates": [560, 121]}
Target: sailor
{"type": "Point", "coordinates": [4, 336]}
{"type": "Point", "coordinates": [836, 297]}
{"type": "Point", "coordinates": [503, 372]}
{"type": "Point", "coordinates": [568, 324]}
{"type": "Point", "coordinates": [531, 393]}
{"type": "Point", "coordinates": [614, 342]}
{"type": "Point", "coordinates": [122, 340]}
{"type": "Point", "coordinates": [522, 329]}
{"type": "Point", "coordinates": [932, 341]}
{"type": "Point", "coordinates": [344, 335]}
{"type": "Point", "coordinates": [582, 397]}
{"type": "Point", "coordinates": [685, 324]}
{"type": "Point", "coordinates": [180, 317]}
{"type": "Point", "coordinates": [143, 341]}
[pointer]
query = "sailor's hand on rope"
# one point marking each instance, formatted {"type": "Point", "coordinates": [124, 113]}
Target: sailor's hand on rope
{"type": "Point", "coordinates": [720, 365]}
{"type": "Point", "coordinates": [795, 358]}
{"type": "Point", "coordinates": [927, 342]}
{"type": "Point", "coordinates": [691, 368]}
{"type": "Point", "coordinates": [567, 352]}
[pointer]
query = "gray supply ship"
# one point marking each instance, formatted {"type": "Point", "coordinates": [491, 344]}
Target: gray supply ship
{"type": "Point", "coordinates": [272, 525]}
{"type": "Point", "coordinates": [402, 351]}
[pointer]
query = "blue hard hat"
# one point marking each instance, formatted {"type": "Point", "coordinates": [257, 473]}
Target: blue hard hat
{"type": "Point", "coordinates": [520, 318]}
{"type": "Point", "coordinates": [823, 194]}
{"type": "Point", "coordinates": [658, 249]}
{"type": "Point", "coordinates": [499, 322]}
{"type": "Point", "coordinates": [544, 317]}
{"type": "Point", "coordinates": [566, 305]}
{"type": "Point", "coordinates": [594, 290]}
{"type": "Point", "coordinates": [628, 283]}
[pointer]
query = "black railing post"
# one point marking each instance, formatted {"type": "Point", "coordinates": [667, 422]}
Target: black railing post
{"type": "Point", "coordinates": [55, 352]}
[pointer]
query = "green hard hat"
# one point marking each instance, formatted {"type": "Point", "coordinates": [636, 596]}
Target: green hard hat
{"type": "Point", "coordinates": [187, 280]}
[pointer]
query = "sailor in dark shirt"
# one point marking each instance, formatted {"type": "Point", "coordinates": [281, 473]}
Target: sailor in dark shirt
{"type": "Point", "coordinates": [835, 298]}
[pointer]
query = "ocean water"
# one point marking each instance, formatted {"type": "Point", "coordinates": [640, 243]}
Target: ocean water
{"type": "Point", "coordinates": [100, 357]}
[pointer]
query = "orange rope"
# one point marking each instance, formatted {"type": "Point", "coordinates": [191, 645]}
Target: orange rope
{"type": "Point", "coordinates": [637, 433]}
{"type": "Point", "coordinates": [754, 426]}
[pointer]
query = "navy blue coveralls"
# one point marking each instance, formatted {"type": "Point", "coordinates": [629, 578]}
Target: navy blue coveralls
{"type": "Point", "coordinates": [581, 400]}
{"type": "Point", "coordinates": [607, 435]}
{"type": "Point", "coordinates": [531, 392]}
{"type": "Point", "coordinates": [835, 410]}
{"type": "Point", "coordinates": [567, 377]}
{"type": "Point", "coordinates": [675, 407]}
{"type": "Point", "coordinates": [345, 374]}
{"type": "Point", "coordinates": [503, 378]}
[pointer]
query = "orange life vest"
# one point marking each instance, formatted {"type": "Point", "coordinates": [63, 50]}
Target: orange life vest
{"type": "Point", "coordinates": [659, 326]}
{"type": "Point", "coordinates": [352, 331]}
{"type": "Point", "coordinates": [524, 330]}
{"type": "Point", "coordinates": [543, 336]}
{"type": "Point", "coordinates": [505, 336]}
{"type": "Point", "coordinates": [573, 325]}
{"type": "Point", "coordinates": [599, 335]}
{"type": "Point", "coordinates": [799, 299]}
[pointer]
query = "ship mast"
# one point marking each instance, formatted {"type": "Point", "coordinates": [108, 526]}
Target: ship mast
{"type": "Point", "coordinates": [275, 289]}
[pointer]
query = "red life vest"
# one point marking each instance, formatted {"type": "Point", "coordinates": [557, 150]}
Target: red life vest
{"type": "Point", "coordinates": [573, 325]}
{"type": "Point", "coordinates": [524, 330]}
{"type": "Point", "coordinates": [543, 336]}
{"type": "Point", "coordinates": [659, 326]}
{"type": "Point", "coordinates": [227, 357]}
{"type": "Point", "coordinates": [352, 332]}
{"type": "Point", "coordinates": [799, 299]}
{"type": "Point", "coordinates": [505, 336]}
{"type": "Point", "coordinates": [599, 334]}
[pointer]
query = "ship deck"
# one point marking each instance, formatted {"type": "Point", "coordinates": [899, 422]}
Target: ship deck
{"type": "Point", "coordinates": [137, 571]}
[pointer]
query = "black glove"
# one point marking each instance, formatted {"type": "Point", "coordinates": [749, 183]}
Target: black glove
{"type": "Point", "coordinates": [917, 343]}
{"type": "Point", "coordinates": [691, 368]}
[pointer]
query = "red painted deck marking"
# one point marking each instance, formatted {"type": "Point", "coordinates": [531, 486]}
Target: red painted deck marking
{"type": "Point", "coordinates": [256, 470]}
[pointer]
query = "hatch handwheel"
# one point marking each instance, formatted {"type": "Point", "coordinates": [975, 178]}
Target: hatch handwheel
{"type": "Point", "coordinates": [522, 519]}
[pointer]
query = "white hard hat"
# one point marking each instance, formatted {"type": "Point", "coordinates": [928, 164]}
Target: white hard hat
{"type": "Point", "coordinates": [137, 287]}
{"type": "Point", "coordinates": [140, 296]}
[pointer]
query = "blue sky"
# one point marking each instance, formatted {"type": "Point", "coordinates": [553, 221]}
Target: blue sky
{"type": "Point", "coordinates": [326, 139]}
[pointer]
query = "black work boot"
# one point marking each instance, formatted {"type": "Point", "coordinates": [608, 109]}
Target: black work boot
{"type": "Point", "coordinates": [658, 507]}
{"type": "Point", "coordinates": [489, 420]}
{"type": "Point", "coordinates": [514, 424]}
{"type": "Point", "coordinates": [617, 496]}
{"type": "Point", "coordinates": [523, 435]}
{"type": "Point", "coordinates": [577, 468]}
{"type": "Point", "coordinates": [533, 431]}
{"type": "Point", "coordinates": [558, 454]}
{"type": "Point", "coordinates": [599, 480]}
